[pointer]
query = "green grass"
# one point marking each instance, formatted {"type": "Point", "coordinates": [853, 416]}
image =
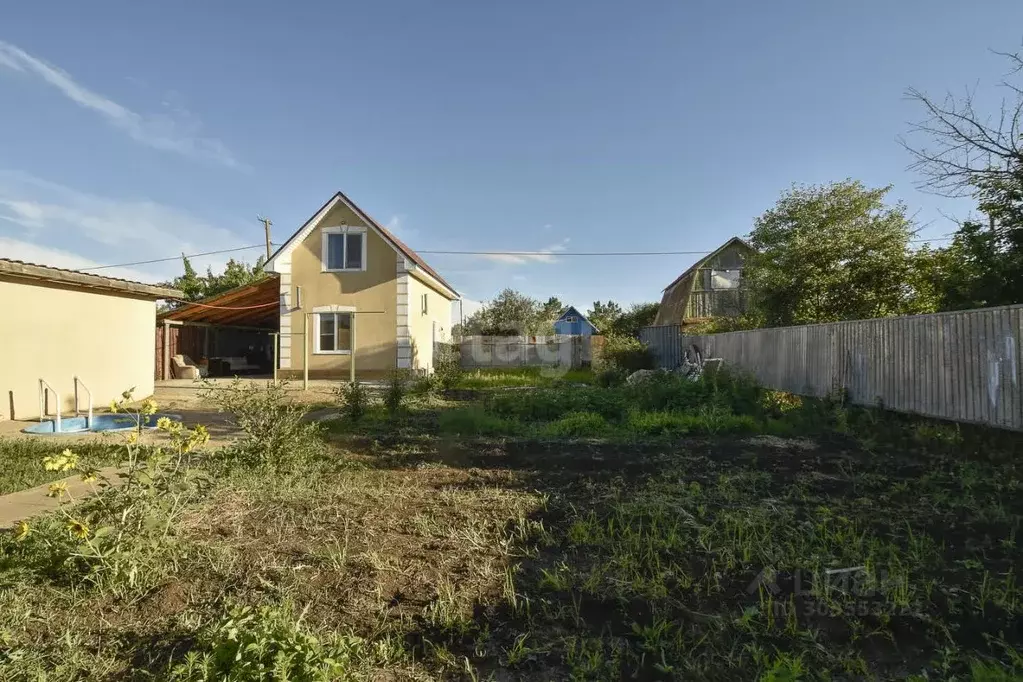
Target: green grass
{"type": "Point", "coordinates": [704, 530]}
{"type": "Point", "coordinates": [21, 460]}
{"type": "Point", "coordinates": [520, 376]}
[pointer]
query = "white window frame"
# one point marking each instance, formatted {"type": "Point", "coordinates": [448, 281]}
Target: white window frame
{"type": "Point", "coordinates": [571, 319]}
{"type": "Point", "coordinates": [344, 230]}
{"type": "Point", "coordinates": [327, 310]}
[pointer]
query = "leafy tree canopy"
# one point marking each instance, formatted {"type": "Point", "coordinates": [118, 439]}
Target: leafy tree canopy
{"type": "Point", "coordinates": [833, 252]}
{"type": "Point", "coordinates": [236, 274]}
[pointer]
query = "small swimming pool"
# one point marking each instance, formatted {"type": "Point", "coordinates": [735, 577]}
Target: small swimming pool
{"type": "Point", "coordinates": [100, 422]}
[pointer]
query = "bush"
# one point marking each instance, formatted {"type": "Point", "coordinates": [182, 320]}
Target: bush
{"type": "Point", "coordinates": [611, 377]}
{"type": "Point", "coordinates": [395, 394]}
{"type": "Point", "coordinates": [274, 433]}
{"type": "Point", "coordinates": [447, 365]}
{"type": "Point", "coordinates": [577, 424]}
{"type": "Point", "coordinates": [624, 353]}
{"type": "Point", "coordinates": [353, 398]}
{"type": "Point", "coordinates": [271, 644]}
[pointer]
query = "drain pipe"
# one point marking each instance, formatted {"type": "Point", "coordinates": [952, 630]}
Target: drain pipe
{"type": "Point", "coordinates": [42, 404]}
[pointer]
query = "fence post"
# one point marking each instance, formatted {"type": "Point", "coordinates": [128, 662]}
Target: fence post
{"type": "Point", "coordinates": [305, 351]}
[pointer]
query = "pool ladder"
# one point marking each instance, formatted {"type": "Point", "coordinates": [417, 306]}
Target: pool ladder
{"type": "Point", "coordinates": [44, 386]}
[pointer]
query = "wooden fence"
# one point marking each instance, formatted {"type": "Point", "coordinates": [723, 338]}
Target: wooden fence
{"type": "Point", "coordinates": [964, 365]}
{"type": "Point", "coordinates": [526, 351]}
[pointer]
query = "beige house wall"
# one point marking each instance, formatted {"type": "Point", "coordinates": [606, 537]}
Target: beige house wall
{"type": "Point", "coordinates": [53, 332]}
{"type": "Point", "coordinates": [372, 292]}
{"type": "Point", "coordinates": [422, 326]}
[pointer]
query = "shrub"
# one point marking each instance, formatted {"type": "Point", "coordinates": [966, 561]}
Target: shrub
{"type": "Point", "coordinates": [447, 365]}
{"type": "Point", "coordinates": [353, 398]}
{"type": "Point", "coordinates": [395, 394]}
{"type": "Point", "coordinates": [475, 421]}
{"type": "Point", "coordinates": [271, 644]}
{"type": "Point", "coordinates": [576, 424]}
{"type": "Point", "coordinates": [274, 433]}
{"type": "Point", "coordinates": [611, 377]}
{"type": "Point", "coordinates": [625, 353]}
{"type": "Point", "coordinates": [118, 537]}
{"type": "Point", "coordinates": [426, 385]}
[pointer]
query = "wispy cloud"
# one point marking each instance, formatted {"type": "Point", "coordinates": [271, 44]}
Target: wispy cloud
{"type": "Point", "coordinates": [545, 255]}
{"type": "Point", "coordinates": [178, 132]}
{"type": "Point", "coordinates": [37, 214]}
{"type": "Point", "coordinates": [45, 255]}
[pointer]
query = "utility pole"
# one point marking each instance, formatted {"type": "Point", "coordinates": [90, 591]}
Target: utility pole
{"type": "Point", "coordinates": [266, 227]}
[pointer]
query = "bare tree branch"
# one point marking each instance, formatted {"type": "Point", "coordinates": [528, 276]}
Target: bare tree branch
{"type": "Point", "coordinates": [962, 148]}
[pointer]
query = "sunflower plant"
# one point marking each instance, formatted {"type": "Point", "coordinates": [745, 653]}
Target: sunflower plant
{"type": "Point", "coordinates": [117, 530]}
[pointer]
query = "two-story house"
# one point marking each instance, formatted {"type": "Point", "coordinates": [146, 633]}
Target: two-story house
{"type": "Point", "coordinates": [348, 287]}
{"type": "Point", "coordinates": [711, 287]}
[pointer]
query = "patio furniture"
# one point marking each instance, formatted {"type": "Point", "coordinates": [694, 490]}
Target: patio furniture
{"type": "Point", "coordinates": [185, 368]}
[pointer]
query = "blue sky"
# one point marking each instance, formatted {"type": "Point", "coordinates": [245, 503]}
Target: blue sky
{"type": "Point", "coordinates": [131, 131]}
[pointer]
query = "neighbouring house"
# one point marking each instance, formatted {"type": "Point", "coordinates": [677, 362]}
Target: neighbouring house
{"type": "Point", "coordinates": [341, 289]}
{"type": "Point", "coordinates": [712, 287]}
{"type": "Point", "coordinates": [573, 323]}
{"type": "Point", "coordinates": [60, 324]}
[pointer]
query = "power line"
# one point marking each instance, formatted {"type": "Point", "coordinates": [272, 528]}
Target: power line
{"type": "Point", "coordinates": [513, 254]}
{"type": "Point", "coordinates": [178, 257]}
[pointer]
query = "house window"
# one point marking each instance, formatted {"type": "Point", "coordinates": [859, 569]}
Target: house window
{"type": "Point", "coordinates": [725, 279]}
{"type": "Point", "coordinates": [344, 248]}
{"type": "Point", "coordinates": [424, 306]}
{"type": "Point", "coordinates": [571, 318]}
{"type": "Point", "coordinates": [334, 332]}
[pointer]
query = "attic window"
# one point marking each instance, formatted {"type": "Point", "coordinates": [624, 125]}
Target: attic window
{"type": "Point", "coordinates": [725, 279]}
{"type": "Point", "coordinates": [344, 248]}
{"type": "Point", "coordinates": [571, 318]}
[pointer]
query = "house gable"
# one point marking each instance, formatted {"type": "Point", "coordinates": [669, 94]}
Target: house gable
{"type": "Point", "coordinates": [692, 296]}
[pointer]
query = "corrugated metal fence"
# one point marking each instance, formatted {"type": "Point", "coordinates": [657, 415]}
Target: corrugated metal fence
{"type": "Point", "coordinates": [525, 351]}
{"type": "Point", "coordinates": [965, 366]}
{"type": "Point", "coordinates": [665, 343]}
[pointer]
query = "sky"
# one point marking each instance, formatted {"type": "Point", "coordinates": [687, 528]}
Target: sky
{"type": "Point", "coordinates": [134, 131]}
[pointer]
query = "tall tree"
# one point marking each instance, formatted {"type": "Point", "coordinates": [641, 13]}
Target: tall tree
{"type": "Point", "coordinates": [831, 252]}
{"type": "Point", "coordinates": [236, 274]}
{"type": "Point", "coordinates": [603, 315]}
{"type": "Point", "coordinates": [190, 283]}
{"type": "Point", "coordinates": [628, 323]}
{"type": "Point", "coordinates": [963, 151]}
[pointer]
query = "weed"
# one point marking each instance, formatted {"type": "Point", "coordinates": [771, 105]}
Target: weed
{"type": "Point", "coordinates": [394, 395]}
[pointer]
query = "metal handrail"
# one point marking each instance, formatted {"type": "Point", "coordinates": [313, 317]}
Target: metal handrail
{"type": "Point", "coordinates": [43, 384]}
{"type": "Point", "coordinates": [88, 419]}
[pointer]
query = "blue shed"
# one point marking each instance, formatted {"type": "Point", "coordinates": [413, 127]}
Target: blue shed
{"type": "Point", "coordinates": [573, 323]}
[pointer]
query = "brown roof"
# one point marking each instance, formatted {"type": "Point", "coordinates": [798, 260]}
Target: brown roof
{"type": "Point", "coordinates": [706, 258]}
{"type": "Point", "coordinates": [250, 305]}
{"type": "Point", "coordinates": [46, 273]}
{"type": "Point", "coordinates": [398, 244]}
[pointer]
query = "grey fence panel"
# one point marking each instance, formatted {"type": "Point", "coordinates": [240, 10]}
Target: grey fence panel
{"type": "Point", "coordinates": [665, 343]}
{"type": "Point", "coordinates": [524, 351]}
{"type": "Point", "coordinates": [965, 366]}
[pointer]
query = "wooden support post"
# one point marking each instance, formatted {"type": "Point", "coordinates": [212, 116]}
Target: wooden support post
{"type": "Point", "coordinates": [166, 350]}
{"type": "Point", "coordinates": [305, 352]}
{"type": "Point", "coordinates": [351, 358]}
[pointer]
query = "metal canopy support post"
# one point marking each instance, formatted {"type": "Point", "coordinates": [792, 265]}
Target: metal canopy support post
{"type": "Point", "coordinates": [275, 339]}
{"type": "Point", "coordinates": [305, 352]}
{"type": "Point", "coordinates": [351, 358]}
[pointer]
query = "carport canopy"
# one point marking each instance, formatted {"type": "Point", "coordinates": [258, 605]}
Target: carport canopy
{"type": "Point", "coordinates": [253, 305]}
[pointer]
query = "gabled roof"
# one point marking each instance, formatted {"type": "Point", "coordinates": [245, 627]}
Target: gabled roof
{"type": "Point", "coordinates": [45, 273]}
{"type": "Point", "coordinates": [573, 309]}
{"type": "Point", "coordinates": [398, 245]}
{"type": "Point", "coordinates": [695, 266]}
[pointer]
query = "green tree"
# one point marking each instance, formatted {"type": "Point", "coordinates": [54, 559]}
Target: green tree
{"type": "Point", "coordinates": [628, 323]}
{"type": "Point", "coordinates": [236, 274]}
{"type": "Point", "coordinates": [961, 150]}
{"type": "Point", "coordinates": [831, 252]}
{"type": "Point", "coordinates": [510, 313]}
{"type": "Point", "coordinates": [603, 315]}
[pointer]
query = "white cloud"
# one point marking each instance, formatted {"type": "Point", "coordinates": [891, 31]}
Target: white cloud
{"type": "Point", "coordinates": [44, 255]}
{"type": "Point", "coordinates": [544, 255]}
{"type": "Point", "coordinates": [177, 132]}
{"type": "Point", "coordinates": [36, 214]}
